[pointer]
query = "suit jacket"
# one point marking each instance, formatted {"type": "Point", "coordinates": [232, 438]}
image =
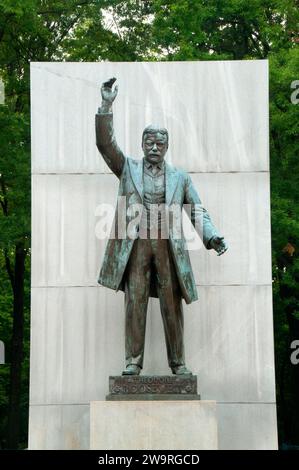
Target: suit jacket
{"type": "Point", "coordinates": [179, 190]}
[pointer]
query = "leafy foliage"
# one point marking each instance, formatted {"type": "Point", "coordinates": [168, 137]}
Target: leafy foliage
{"type": "Point", "coordinates": [285, 234]}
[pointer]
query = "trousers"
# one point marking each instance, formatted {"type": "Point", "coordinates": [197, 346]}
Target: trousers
{"type": "Point", "coordinates": [153, 257]}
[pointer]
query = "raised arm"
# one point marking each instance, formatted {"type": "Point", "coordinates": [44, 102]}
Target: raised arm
{"type": "Point", "coordinates": [201, 220]}
{"type": "Point", "coordinates": [105, 139]}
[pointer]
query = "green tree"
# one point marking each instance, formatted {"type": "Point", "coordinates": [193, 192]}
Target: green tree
{"type": "Point", "coordinates": [285, 234]}
{"type": "Point", "coordinates": [220, 29]}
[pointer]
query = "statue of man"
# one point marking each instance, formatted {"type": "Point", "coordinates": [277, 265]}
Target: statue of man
{"type": "Point", "coordinates": [144, 266]}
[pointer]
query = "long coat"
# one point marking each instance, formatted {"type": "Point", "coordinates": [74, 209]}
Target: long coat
{"type": "Point", "coordinates": [179, 190]}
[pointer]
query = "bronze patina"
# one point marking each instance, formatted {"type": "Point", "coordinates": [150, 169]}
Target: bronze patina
{"type": "Point", "coordinates": [143, 265]}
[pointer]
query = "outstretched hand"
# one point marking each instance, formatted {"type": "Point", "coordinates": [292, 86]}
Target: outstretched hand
{"type": "Point", "coordinates": [108, 94]}
{"type": "Point", "coordinates": [219, 245]}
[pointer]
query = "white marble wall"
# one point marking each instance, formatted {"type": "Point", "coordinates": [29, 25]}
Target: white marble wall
{"type": "Point", "coordinates": [217, 116]}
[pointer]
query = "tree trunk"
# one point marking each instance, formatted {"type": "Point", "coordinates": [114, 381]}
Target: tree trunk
{"type": "Point", "coordinates": [16, 349]}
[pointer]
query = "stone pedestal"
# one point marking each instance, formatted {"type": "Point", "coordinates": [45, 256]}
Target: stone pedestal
{"type": "Point", "coordinates": [153, 425]}
{"type": "Point", "coordinates": [153, 387]}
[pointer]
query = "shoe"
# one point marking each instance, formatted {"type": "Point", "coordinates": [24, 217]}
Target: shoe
{"type": "Point", "coordinates": [181, 370]}
{"type": "Point", "coordinates": [132, 369]}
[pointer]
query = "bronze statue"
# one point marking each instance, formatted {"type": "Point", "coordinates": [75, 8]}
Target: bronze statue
{"type": "Point", "coordinates": [144, 266]}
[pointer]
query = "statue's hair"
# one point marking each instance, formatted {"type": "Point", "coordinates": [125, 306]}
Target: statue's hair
{"type": "Point", "coordinates": [153, 129]}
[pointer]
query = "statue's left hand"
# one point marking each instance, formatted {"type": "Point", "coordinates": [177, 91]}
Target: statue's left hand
{"type": "Point", "coordinates": [219, 245]}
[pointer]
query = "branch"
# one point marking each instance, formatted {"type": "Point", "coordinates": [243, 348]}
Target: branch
{"type": "Point", "coordinates": [65, 33]}
{"type": "Point", "coordinates": [255, 42]}
{"type": "Point", "coordinates": [258, 35]}
{"type": "Point", "coordinates": [4, 203]}
{"type": "Point", "coordinates": [9, 269]}
{"type": "Point", "coordinates": [65, 10]}
{"type": "Point", "coordinates": [276, 143]}
{"type": "Point", "coordinates": [8, 16]}
{"type": "Point", "coordinates": [117, 28]}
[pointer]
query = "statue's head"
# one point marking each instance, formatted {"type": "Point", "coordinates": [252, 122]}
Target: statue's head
{"type": "Point", "coordinates": [154, 143]}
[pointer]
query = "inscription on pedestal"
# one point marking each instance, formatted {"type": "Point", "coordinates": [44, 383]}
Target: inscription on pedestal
{"type": "Point", "coordinates": [133, 386]}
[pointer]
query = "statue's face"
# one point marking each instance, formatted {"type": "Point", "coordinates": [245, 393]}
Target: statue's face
{"type": "Point", "coordinates": [154, 147]}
